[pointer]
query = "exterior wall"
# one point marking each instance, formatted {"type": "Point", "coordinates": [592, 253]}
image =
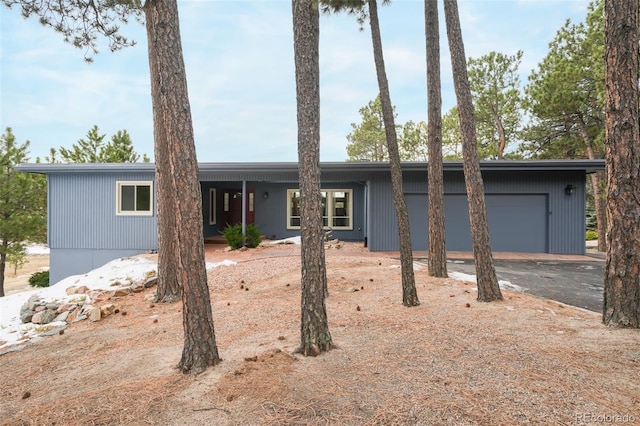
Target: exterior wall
{"type": "Point", "coordinates": [82, 214]}
{"type": "Point", "coordinates": [84, 231]}
{"type": "Point", "coordinates": [271, 212]}
{"type": "Point", "coordinates": [565, 226]}
{"type": "Point", "coordinates": [66, 262]}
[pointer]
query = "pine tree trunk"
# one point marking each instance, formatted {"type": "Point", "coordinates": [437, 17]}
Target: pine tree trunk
{"type": "Point", "coordinates": [600, 206]}
{"type": "Point", "coordinates": [502, 137]}
{"type": "Point", "coordinates": [167, 290]}
{"type": "Point", "coordinates": [598, 200]}
{"type": "Point", "coordinates": [314, 330]}
{"type": "Point", "coordinates": [409, 293]}
{"type": "Point", "coordinates": [488, 289]}
{"type": "Point", "coordinates": [173, 133]}
{"type": "Point", "coordinates": [622, 137]}
{"type": "Point", "coordinates": [437, 245]}
{"type": "Point", "coordinates": [3, 265]}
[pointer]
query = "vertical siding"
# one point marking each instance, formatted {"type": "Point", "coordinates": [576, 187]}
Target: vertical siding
{"type": "Point", "coordinates": [383, 225]}
{"type": "Point", "coordinates": [82, 214]}
{"type": "Point", "coordinates": [566, 221]}
{"type": "Point", "coordinates": [271, 213]}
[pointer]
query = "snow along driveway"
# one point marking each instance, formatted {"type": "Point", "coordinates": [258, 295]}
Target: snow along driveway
{"type": "Point", "coordinates": [574, 283]}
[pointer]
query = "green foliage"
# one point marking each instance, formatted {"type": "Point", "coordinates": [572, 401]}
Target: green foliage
{"type": "Point", "coordinates": [368, 141]}
{"type": "Point", "coordinates": [591, 235]}
{"type": "Point", "coordinates": [17, 259]}
{"type": "Point", "coordinates": [22, 203]}
{"type": "Point", "coordinates": [413, 141]}
{"type": "Point", "coordinates": [451, 136]}
{"type": "Point", "coordinates": [39, 279]}
{"type": "Point", "coordinates": [495, 88]}
{"type": "Point", "coordinates": [234, 238]}
{"type": "Point", "coordinates": [565, 94]}
{"type": "Point", "coordinates": [120, 150]}
{"type": "Point", "coordinates": [81, 21]}
{"type": "Point", "coordinates": [252, 236]}
{"type": "Point", "coordinates": [94, 149]}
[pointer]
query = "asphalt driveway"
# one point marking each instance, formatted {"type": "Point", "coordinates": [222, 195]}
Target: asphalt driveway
{"type": "Point", "coordinates": [574, 283]}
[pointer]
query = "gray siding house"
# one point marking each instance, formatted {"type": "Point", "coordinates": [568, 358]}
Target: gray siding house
{"type": "Point", "coordinates": [100, 212]}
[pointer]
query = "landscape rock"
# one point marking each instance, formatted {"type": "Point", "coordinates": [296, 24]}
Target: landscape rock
{"type": "Point", "coordinates": [97, 296]}
{"type": "Point", "coordinates": [43, 317]}
{"type": "Point", "coordinates": [83, 303]}
{"type": "Point", "coordinates": [106, 310]}
{"type": "Point", "coordinates": [55, 330]}
{"type": "Point", "coordinates": [62, 317]}
{"type": "Point", "coordinates": [26, 313]}
{"type": "Point", "coordinates": [72, 315]}
{"type": "Point", "coordinates": [124, 291]}
{"type": "Point", "coordinates": [85, 309]}
{"type": "Point", "coordinates": [150, 282]}
{"type": "Point", "coordinates": [65, 307]}
{"type": "Point", "coordinates": [137, 287]}
{"type": "Point", "coordinates": [95, 314]}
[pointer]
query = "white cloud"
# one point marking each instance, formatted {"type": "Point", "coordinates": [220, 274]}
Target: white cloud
{"type": "Point", "coordinates": [239, 62]}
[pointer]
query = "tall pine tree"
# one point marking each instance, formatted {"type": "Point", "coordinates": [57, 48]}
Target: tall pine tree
{"type": "Point", "coordinates": [22, 203]}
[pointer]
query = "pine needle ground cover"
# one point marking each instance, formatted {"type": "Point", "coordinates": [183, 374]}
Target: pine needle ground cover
{"type": "Point", "coordinates": [451, 360]}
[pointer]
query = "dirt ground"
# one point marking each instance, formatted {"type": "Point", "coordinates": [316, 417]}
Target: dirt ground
{"type": "Point", "coordinates": [450, 361]}
{"type": "Point", "coordinates": [18, 281]}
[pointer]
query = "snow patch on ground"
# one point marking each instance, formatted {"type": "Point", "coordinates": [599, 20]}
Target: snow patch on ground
{"type": "Point", "coordinates": [37, 249]}
{"type": "Point", "coordinates": [117, 273]}
{"type": "Point", "coordinates": [291, 240]}
{"type": "Point", "coordinates": [416, 267]}
{"type": "Point", "coordinates": [211, 265]}
{"type": "Point", "coordinates": [504, 284]}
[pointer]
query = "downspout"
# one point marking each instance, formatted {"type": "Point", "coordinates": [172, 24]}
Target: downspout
{"type": "Point", "coordinates": [367, 209]}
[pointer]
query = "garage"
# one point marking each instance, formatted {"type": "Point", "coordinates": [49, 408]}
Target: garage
{"type": "Point", "coordinates": [517, 222]}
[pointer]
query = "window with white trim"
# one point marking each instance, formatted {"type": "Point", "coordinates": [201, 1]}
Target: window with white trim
{"type": "Point", "coordinates": [134, 198]}
{"type": "Point", "coordinates": [337, 208]}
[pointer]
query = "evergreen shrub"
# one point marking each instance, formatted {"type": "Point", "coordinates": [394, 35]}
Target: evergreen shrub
{"type": "Point", "coordinates": [39, 279]}
{"type": "Point", "coordinates": [233, 236]}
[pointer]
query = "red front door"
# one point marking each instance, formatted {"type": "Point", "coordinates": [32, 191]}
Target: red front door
{"type": "Point", "coordinates": [232, 206]}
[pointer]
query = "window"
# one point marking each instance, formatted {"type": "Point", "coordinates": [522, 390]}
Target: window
{"type": "Point", "coordinates": [212, 206]}
{"type": "Point", "coordinates": [134, 198]}
{"type": "Point", "coordinates": [337, 208]}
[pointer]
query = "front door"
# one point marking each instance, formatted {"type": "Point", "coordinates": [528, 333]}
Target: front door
{"type": "Point", "coordinates": [232, 206]}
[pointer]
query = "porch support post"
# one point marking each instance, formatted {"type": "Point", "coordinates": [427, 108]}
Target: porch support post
{"type": "Point", "coordinates": [244, 212]}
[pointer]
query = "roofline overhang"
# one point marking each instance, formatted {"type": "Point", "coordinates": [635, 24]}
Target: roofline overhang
{"type": "Point", "coordinates": [588, 166]}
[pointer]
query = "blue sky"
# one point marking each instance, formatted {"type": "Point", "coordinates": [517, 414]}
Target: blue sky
{"type": "Point", "coordinates": [239, 61]}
